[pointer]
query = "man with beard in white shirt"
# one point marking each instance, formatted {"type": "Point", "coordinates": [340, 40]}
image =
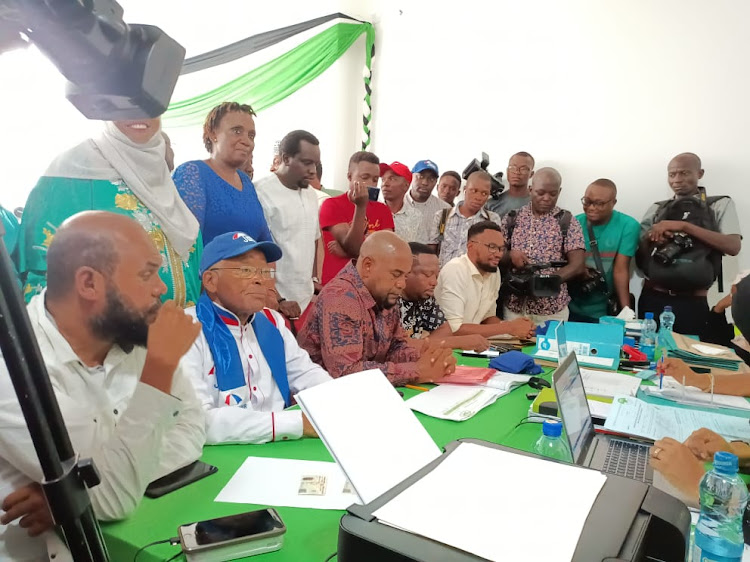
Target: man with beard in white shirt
{"type": "Point", "coordinates": [112, 352]}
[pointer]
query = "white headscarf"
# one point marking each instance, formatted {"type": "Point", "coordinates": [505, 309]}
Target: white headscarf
{"type": "Point", "coordinates": [113, 156]}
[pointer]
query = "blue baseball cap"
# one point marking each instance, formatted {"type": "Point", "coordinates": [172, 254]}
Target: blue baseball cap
{"type": "Point", "coordinates": [233, 244]}
{"type": "Point", "coordinates": [423, 165]}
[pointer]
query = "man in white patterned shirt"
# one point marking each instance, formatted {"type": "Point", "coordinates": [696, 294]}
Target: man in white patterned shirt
{"type": "Point", "coordinates": [449, 228]}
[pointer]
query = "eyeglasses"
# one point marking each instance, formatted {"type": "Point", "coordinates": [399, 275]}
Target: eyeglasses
{"type": "Point", "coordinates": [249, 272]}
{"type": "Point", "coordinates": [493, 248]}
{"type": "Point", "coordinates": [522, 169]}
{"type": "Point", "coordinates": [596, 204]}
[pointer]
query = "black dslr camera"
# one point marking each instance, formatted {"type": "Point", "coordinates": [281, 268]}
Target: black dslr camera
{"type": "Point", "coordinates": [528, 282]}
{"type": "Point", "coordinates": [593, 283]}
{"type": "Point", "coordinates": [475, 165]}
{"type": "Point", "coordinates": [668, 253]}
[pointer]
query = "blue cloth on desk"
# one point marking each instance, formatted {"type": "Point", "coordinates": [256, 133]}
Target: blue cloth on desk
{"type": "Point", "coordinates": [515, 362]}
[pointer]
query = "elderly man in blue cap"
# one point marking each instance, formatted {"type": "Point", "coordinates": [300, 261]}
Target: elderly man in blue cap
{"type": "Point", "coordinates": [424, 178]}
{"type": "Point", "coordinates": [246, 364]}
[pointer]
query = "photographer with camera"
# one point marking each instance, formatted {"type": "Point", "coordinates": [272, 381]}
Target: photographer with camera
{"type": "Point", "coordinates": [536, 236]}
{"type": "Point", "coordinates": [450, 227]}
{"type": "Point", "coordinates": [520, 171]}
{"type": "Point", "coordinates": [682, 243]}
{"type": "Point", "coordinates": [611, 241]}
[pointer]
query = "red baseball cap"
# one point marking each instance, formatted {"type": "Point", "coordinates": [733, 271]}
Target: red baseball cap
{"type": "Point", "coordinates": [397, 168]}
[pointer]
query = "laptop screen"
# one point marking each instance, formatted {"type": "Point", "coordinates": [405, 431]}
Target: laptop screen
{"type": "Point", "coordinates": [573, 407]}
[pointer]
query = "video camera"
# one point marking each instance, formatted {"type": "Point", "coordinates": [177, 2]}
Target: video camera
{"type": "Point", "coordinates": [475, 165]}
{"type": "Point", "coordinates": [528, 282]}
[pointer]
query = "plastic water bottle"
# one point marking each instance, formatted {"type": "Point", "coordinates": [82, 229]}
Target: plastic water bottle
{"type": "Point", "coordinates": [550, 444]}
{"type": "Point", "coordinates": [648, 336]}
{"type": "Point", "coordinates": [723, 496]}
{"type": "Point", "coordinates": [666, 323]}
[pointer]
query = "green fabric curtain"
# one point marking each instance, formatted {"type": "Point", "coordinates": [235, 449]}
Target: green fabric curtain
{"type": "Point", "coordinates": [277, 79]}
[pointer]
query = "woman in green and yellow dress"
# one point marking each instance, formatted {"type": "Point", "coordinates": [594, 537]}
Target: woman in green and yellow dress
{"type": "Point", "coordinates": [123, 170]}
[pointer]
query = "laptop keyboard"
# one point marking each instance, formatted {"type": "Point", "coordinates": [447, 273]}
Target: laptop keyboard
{"type": "Point", "coordinates": [627, 459]}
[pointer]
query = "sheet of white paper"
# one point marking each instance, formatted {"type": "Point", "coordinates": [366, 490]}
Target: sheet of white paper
{"type": "Point", "coordinates": [610, 384]}
{"type": "Point", "coordinates": [453, 401]}
{"type": "Point", "coordinates": [636, 417]}
{"type": "Point", "coordinates": [707, 349]}
{"type": "Point", "coordinates": [486, 353]}
{"type": "Point", "coordinates": [369, 430]}
{"type": "Point", "coordinates": [599, 409]}
{"type": "Point", "coordinates": [673, 390]}
{"type": "Point", "coordinates": [269, 481]}
{"type": "Point", "coordinates": [506, 381]}
{"type": "Point", "coordinates": [486, 499]}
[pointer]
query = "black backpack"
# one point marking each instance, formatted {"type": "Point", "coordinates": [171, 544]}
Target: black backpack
{"type": "Point", "coordinates": [693, 268]}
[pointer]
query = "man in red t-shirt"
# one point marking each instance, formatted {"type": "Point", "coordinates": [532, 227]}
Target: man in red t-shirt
{"type": "Point", "coordinates": [347, 219]}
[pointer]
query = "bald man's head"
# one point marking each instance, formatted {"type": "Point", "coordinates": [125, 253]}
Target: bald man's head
{"type": "Point", "coordinates": [545, 190]}
{"type": "Point", "coordinates": [384, 261]}
{"type": "Point", "coordinates": [683, 174]}
{"type": "Point", "coordinates": [107, 265]}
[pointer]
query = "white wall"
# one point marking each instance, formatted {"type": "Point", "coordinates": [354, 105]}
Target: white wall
{"type": "Point", "coordinates": [594, 88]}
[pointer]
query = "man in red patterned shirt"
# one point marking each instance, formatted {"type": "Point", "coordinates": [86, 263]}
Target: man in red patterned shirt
{"type": "Point", "coordinates": [355, 324]}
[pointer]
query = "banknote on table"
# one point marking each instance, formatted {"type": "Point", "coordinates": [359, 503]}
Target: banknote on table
{"type": "Point", "coordinates": [312, 486]}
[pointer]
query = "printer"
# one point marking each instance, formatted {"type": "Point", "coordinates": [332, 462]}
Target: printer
{"type": "Point", "coordinates": [630, 521]}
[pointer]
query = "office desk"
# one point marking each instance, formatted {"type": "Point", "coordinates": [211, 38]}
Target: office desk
{"type": "Point", "coordinates": [311, 534]}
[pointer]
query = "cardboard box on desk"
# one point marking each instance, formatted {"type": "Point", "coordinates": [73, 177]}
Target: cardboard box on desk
{"type": "Point", "coordinates": [595, 345]}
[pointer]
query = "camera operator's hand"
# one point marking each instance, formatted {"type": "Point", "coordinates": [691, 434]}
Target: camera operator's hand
{"type": "Point", "coordinates": [359, 194]}
{"type": "Point", "coordinates": [663, 230]}
{"type": "Point", "coordinates": [522, 328]}
{"type": "Point", "coordinates": [28, 504]}
{"type": "Point", "coordinates": [518, 259]}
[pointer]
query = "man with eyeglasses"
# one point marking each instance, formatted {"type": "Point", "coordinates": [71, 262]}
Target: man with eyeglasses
{"type": "Point", "coordinates": [449, 228]}
{"type": "Point", "coordinates": [520, 171]}
{"type": "Point", "coordinates": [424, 178]}
{"type": "Point", "coordinates": [246, 365]}
{"type": "Point", "coordinates": [683, 241]}
{"type": "Point", "coordinates": [467, 287]}
{"type": "Point", "coordinates": [535, 234]}
{"type": "Point", "coordinates": [616, 235]}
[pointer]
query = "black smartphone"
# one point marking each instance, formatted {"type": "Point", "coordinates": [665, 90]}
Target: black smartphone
{"type": "Point", "coordinates": [373, 193]}
{"type": "Point", "coordinates": [179, 478]}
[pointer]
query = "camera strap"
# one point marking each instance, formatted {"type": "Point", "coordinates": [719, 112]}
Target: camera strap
{"type": "Point", "coordinates": [595, 248]}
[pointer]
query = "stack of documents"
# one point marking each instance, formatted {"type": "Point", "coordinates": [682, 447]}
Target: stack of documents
{"type": "Point", "coordinates": [638, 418]}
{"type": "Point", "coordinates": [673, 390]}
{"type": "Point", "coordinates": [462, 503]}
{"type": "Point", "coordinates": [468, 375]}
{"type": "Point", "coordinates": [453, 401]}
{"type": "Point", "coordinates": [700, 354]}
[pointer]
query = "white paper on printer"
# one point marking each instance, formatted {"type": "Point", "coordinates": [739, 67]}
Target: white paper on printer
{"type": "Point", "coordinates": [457, 402]}
{"type": "Point", "coordinates": [609, 385]}
{"type": "Point", "coordinates": [366, 426]}
{"type": "Point", "coordinates": [490, 517]}
{"type": "Point", "coordinates": [251, 484]}
{"type": "Point", "coordinates": [635, 417]}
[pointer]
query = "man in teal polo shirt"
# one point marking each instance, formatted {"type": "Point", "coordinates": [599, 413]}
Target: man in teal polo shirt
{"type": "Point", "coordinates": [11, 227]}
{"type": "Point", "coordinates": [617, 237]}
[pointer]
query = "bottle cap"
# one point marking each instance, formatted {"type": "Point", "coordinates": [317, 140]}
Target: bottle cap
{"type": "Point", "coordinates": [724, 462]}
{"type": "Point", "coordinates": [667, 308]}
{"type": "Point", "coordinates": [554, 429]}
{"type": "Point", "coordinates": [649, 316]}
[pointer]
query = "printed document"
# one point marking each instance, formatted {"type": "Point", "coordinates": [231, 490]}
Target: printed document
{"type": "Point", "coordinates": [453, 401]}
{"type": "Point", "coordinates": [635, 417]}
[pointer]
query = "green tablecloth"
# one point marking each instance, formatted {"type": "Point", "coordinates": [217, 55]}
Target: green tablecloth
{"type": "Point", "coordinates": [312, 534]}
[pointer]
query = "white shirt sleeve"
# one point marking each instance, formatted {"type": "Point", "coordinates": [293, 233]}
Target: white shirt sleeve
{"type": "Point", "coordinates": [127, 459]}
{"type": "Point", "coordinates": [450, 292]}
